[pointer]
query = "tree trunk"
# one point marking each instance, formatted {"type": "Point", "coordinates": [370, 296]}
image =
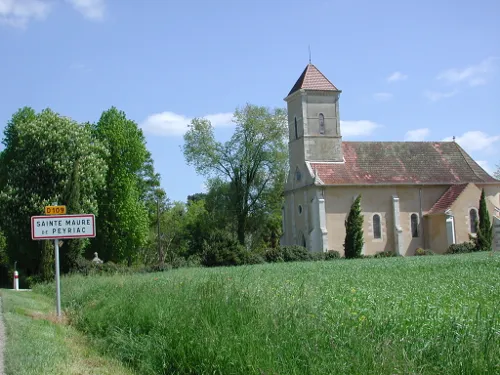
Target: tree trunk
{"type": "Point", "coordinates": [242, 221]}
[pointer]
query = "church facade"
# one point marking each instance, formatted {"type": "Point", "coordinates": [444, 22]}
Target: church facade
{"type": "Point", "coordinates": [413, 194]}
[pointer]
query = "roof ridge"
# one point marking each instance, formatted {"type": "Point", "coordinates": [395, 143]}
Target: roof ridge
{"type": "Point", "coordinates": [468, 159]}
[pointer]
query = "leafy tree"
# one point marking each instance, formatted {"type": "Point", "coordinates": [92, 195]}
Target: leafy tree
{"type": "Point", "coordinates": [196, 197]}
{"type": "Point", "coordinates": [123, 224]}
{"type": "Point", "coordinates": [173, 231]}
{"type": "Point", "coordinates": [353, 243]}
{"type": "Point", "coordinates": [253, 161]}
{"type": "Point", "coordinates": [484, 229]}
{"type": "Point", "coordinates": [36, 169]}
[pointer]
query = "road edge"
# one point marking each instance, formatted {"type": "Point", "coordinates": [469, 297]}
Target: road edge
{"type": "Point", "coordinates": [3, 338]}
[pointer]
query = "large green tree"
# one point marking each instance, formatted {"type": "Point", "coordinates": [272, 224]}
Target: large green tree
{"type": "Point", "coordinates": [253, 162]}
{"type": "Point", "coordinates": [124, 222]}
{"type": "Point", "coordinates": [36, 169]}
{"type": "Point", "coordinates": [353, 243]}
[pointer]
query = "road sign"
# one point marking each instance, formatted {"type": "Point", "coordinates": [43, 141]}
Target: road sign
{"type": "Point", "coordinates": [55, 210]}
{"type": "Point", "coordinates": [62, 226]}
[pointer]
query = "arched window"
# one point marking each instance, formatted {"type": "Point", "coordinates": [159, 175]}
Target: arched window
{"type": "Point", "coordinates": [296, 129]}
{"type": "Point", "coordinates": [473, 220]}
{"type": "Point", "coordinates": [321, 124]}
{"type": "Point", "coordinates": [414, 225]}
{"type": "Point", "coordinates": [298, 174]}
{"type": "Point", "coordinates": [377, 232]}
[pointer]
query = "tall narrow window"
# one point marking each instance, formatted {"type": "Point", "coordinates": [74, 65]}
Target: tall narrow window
{"type": "Point", "coordinates": [414, 225]}
{"type": "Point", "coordinates": [321, 124]}
{"type": "Point", "coordinates": [473, 220]}
{"type": "Point", "coordinates": [296, 129]}
{"type": "Point", "coordinates": [377, 232]}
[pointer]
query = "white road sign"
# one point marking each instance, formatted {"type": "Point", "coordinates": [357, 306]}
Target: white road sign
{"type": "Point", "coordinates": [62, 226]}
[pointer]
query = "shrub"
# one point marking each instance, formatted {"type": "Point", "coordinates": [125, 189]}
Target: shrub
{"type": "Point", "coordinates": [317, 256]}
{"type": "Point", "coordinates": [274, 255]}
{"type": "Point", "coordinates": [385, 254]}
{"type": "Point", "coordinates": [332, 254]}
{"type": "Point", "coordinates": [295, 253]}
{"type": "Point", "coordinates": [193, 261]}
{"type": "Point", "coordinates": [221, 249]}
{"type": "Point", "coordinates": [421, 252]}
{"type": "Point", "coordinates": [254, 258]}
{"type": "Point", "coordinates": [461, 248]}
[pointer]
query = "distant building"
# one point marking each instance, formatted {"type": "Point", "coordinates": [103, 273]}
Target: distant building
{"type": "Point", "coordinates": [414, 194]}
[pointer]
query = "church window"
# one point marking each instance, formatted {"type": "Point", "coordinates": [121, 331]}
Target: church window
{"type": "Point", "coordinates": [296, 129]}
{"type": "Point", "coordinates": [300, 209]}
{"type": "Point", "coordinates": [298, 174]}
{"type": "Point", "coordinates": [414, 225]}
{"type": "Point", "coordinates": [321, 124]}
{"type": "Point", "coordinates": [377, 231]}
{"type": "Point", "coordinates": [473, 220]}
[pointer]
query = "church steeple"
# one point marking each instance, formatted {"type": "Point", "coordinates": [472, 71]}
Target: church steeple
{"type": "Point", "coordinates": [312, 79]}
{"type": "Point", "coordinates": [313, 118]}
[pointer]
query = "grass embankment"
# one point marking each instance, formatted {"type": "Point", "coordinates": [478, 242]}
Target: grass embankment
{"type": "Point", "coordinates": [38, 344]}
{"type": "Point", "coordinates": [425, 315]}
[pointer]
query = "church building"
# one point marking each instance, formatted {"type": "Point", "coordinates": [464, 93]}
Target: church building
{"type": "Point", "coordinates": [413, 194]}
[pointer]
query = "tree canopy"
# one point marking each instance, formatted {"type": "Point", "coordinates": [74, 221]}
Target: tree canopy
{"type": "Point", "coordinates": [252, 163]}
{"type": "Point", "coordinates": [42, 153]}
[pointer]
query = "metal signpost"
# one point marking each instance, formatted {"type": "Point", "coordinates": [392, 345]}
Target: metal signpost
{"type": "Point", "coordinates": [59, 226]}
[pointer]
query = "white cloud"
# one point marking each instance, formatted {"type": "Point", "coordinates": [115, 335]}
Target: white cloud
{"type": "Point", "coordinates": [173, 124]}
{"type": "Point", "coordinates": [91, 9]}
{"type": "Point", "coordinates": [472, 75]}
{"type": "Point", "coordinates": [382, 96]}
{"type": "Point", "coordinates": [358, 128]}
{"type": "Point", "coordinates": [18, 13]}
{"type": "Point", "coordinates": [475, 141]}
{"type": "Point", "coordinates": [397, 76]}
{"type": "Point", "coordinates": [438, 95]}
{"type": "Point", "coordinates": [417, 135]}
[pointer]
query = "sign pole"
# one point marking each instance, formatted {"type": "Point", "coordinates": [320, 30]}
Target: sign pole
{"type": "Point", "coordinates": [58, 278]}
{"type": "Point", "coordinates": [56, 227]}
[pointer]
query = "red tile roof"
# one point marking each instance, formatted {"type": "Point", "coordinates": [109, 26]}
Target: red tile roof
{"type": "Point", "coordinates": [447, 199]}
{"type": "Point", "coordinates": [312, 79]}
{"type": "Point", "coordinates": [402, 163]}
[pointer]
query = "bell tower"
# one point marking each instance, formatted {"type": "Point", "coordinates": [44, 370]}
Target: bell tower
{"type": "Point", "coordinates": [313, 119]}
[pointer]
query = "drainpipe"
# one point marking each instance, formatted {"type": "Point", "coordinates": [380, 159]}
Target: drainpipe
{"type": "Point", "coordinates": [421, 221]}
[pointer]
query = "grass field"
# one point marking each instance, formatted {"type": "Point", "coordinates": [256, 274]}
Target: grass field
{"type": "Point", "coordinates": [39, 345]}
{"type": "Point", "coordinates": [419, 315]}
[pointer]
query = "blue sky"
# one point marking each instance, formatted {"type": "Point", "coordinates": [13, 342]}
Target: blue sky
{"type": "Point", "coordinates": [411, 70]}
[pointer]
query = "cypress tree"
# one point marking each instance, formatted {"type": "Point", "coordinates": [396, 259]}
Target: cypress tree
{"type": "Point", "coordinates": [353, 243]}
{"type": "Point", "coordinates": [73, 249]}
{"type": "Point", "coordinates": [484, 229]}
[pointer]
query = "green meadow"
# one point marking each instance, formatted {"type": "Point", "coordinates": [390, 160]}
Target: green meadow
{"type": "Point", "coordinates": [418, 315]}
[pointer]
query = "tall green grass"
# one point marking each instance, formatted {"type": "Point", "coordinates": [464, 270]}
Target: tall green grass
{"type": "Point", "coordinates": [420, 315]}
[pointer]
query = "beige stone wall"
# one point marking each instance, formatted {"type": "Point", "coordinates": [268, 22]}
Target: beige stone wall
{"type": "Point", "coordinates": [437, 237]}
{"type": "Point", "coordinates": [378, 200]}
{"type": "Point", "coordinates": [470, 199]}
